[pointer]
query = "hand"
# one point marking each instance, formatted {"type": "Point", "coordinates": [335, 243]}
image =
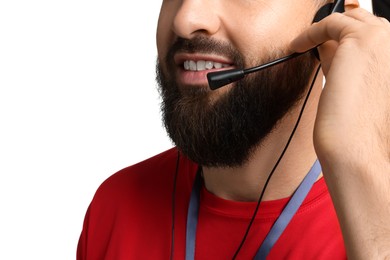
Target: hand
{"type": "Point", "coordinates": [352, 129]}
{"type": "Point", "coordinates": [353, 120]}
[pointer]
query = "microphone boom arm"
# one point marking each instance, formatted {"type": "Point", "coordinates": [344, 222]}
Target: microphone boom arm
{"type": "Point", "coordinates": [221, 78]}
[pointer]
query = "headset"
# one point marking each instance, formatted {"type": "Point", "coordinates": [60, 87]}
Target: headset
{"type": "Point", "coordinates": [221, 78]}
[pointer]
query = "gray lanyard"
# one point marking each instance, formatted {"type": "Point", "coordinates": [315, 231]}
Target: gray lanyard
{"type": "Point", "coordinates": [278, 227]}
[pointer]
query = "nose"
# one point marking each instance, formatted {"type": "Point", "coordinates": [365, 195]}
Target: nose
{"type": "Point", "coordinates": [196, 17]}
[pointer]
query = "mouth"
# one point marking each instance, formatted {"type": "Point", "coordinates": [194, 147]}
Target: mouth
{"type": "Point", "coordinates": [192, 69]}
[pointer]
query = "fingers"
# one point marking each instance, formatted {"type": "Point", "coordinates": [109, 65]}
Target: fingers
{"type": "Point", "coordinates": [335, 27]}
{"type": "Point", "coordinates": [330, 28]}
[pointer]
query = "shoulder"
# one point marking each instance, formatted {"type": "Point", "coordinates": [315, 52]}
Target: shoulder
{"type": "Point", "coordinates": [137, 178]}
{"type": "Point", "coordinates": [131, 204]}
{"type": "Point", "coordinates": [146, 181]}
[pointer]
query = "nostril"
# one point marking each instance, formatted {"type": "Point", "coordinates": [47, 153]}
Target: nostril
{"type": "Point", "coordinates": [195, 17]}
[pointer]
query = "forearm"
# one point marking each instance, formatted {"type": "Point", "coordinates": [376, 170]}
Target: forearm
{"type": "Point", "coordinates": [361, 196]}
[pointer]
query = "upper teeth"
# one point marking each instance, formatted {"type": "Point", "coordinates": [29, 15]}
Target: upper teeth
{"type": "Point", "coordinates": [202, 65]}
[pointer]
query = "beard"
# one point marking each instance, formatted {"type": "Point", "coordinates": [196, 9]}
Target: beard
{"type": "Point", "coordinates": [224, 131]}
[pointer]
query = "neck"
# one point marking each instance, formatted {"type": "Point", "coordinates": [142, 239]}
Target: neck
{"type": "Point", "coordinates": [245, 183]}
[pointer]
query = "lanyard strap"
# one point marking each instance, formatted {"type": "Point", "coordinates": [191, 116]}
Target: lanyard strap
{"type": "Point", "coordinates": [192, 217]}
{"type": "Point", "coordinates": [276, 230]}
{"type": "Point", "coordinates": [289, 211]}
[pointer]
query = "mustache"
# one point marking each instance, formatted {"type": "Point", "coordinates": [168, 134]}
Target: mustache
{"type": "Point", "coordinates": [203, 44]}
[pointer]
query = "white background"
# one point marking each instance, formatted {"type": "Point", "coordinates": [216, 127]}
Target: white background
{"type": "Point", "coordinates": [78, 101]}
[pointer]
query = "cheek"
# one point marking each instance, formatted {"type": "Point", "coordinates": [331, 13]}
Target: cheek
{"type": "Point", "coordinates": [267, 26]}
{"type": "Point", "coordinates": [161, 41]}
{"type": "Point", "coordinates": [254, 40]}
{"type": "Point", "coordinates": [259, 33]}
{"type": "Point", "coordinates": [164, 35]}
{"type": "Point", "coordinates": [266, 46]}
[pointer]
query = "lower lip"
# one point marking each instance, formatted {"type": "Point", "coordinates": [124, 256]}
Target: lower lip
{"type": "Point", "coordinates": [186, 77]}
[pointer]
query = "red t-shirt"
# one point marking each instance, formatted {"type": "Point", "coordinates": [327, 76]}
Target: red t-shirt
{"type": "Point", "coordinates": [130, 217]}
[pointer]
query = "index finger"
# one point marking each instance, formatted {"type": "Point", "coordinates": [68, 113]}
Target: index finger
{"type": "Point", "coordinates": [334, 27]}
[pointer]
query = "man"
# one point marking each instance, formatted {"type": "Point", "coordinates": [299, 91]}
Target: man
{"type": "Point", "coordinates": [199, 200]}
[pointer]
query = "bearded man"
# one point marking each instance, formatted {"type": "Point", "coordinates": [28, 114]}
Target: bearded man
{"type": "Point", "coordinates": [280, 164]}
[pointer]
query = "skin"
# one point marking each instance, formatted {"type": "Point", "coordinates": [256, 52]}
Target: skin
{"type": "Point", "coordinates": [354, 147]}
{"type": "Point", "coordinates": [348, 119]}
{"type": "Point", "coordinates": [266, 23]}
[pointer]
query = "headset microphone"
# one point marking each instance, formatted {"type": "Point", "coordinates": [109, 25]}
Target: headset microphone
{"type": "Point", "coordinates": [221, 78]}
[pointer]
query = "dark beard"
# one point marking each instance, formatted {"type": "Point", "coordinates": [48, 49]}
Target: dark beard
{"type": "Point", "coordinates": [226, 131]}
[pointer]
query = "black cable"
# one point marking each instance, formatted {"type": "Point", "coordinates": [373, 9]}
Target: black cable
{"type": "Point", "coordinates": [276, 165]}
{"type": "Point", "coordinates": [174, 206]}
{"type": "Point", "coordinates": [265, 185]}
